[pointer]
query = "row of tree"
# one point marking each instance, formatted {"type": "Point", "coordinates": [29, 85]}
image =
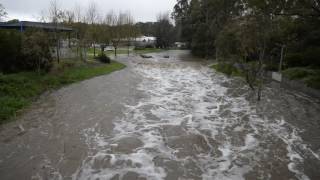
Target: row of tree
{"type": "Point", "coordinates": [255, 34]}
{"type": "Point", "coordinates": [92, 28]}
{"type": "Point", "coordinates": [252, 28]}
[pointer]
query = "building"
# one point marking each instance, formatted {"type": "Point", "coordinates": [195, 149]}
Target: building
{"type": "Point", "coordinates": [145, 41]}
{"type": "Point", "coordinates": [180, 44]}
{"type": "Point", "coordinates": [23, 25]}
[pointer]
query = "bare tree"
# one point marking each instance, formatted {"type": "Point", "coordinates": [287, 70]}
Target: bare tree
{"type": "Point", "coordinates": [120, 28]}
{"type": "Point", "coordinates": [3, 12]}
{"type": "Point", "coordinates": [68, 17]}
{"type": "Point", "coordinates": [112, 21]}
{"type": "Point", "coordinates": [77, 13]}
{"type": "Point", "coordinates": [55, 15]}
{"type": "Point", "coordinates": [92, 18]}
{"type": "Point", "coordinates": [129, 30]}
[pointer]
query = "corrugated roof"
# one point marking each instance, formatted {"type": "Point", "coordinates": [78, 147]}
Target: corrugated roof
{"type": "Point", "coordinates": [29, 24]}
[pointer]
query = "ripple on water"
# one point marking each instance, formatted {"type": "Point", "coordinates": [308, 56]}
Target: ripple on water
{"type": "Point", "coordinates": [190, 126]}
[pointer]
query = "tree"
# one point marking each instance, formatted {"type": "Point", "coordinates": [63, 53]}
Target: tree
{"type": "Point", "coordinates": [3, 12]}
{"type": "Point", "coordinates": [55, 15]}
{"type": "Point", "coordinates": [164, 31]}
{"type": "Point", "coordinates": [118, 26]}
{"type": "Point", "coordinates": [201, 21]}
{"type": "Point", "coordinates": [36, 51]}
{"type": "Point", "coordinates": [92, 17]}
{"type": "Point", "coordinates": [130, 31]}
{"type": "Point", "coordinates": [77, 13]}
{"type": "Point", "coordinates": [68, 17]}
{"type": "Point", "coordinates": [146, 28]}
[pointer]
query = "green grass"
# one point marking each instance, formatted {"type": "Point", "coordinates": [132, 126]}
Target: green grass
{"type": "Point", "coordinates": [19, 90]}
{"type": "Point", "coordinates": [309, 76]}
{"type": "Point", "coordinates": [227, 69]}
{"type": "Point", "coordinates": [148, 50]}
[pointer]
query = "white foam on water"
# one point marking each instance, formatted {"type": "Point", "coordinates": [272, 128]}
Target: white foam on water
{"type": "Point", "coordinates": [195, 99]}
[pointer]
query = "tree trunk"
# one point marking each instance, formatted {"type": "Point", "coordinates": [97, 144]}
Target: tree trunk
{"type": "Point", "coordinates": [281, 58]}
{"type": "Point", "coordinates": [39, 66]}
{"type": "Point", "coordinates": [259, 92]}
{"type": "Point", "coordinates": [85, 53]}
{"type": "Point", "coordinates": [217, 55]}
{"type": "Point", "coordinates": [128, 49]}
{"type": "Point", "coordinates": [58, 51]}
{"type": "Point", "coordinates": [58, 46]}
{"type": "Point", "coordinates": [94, 49]}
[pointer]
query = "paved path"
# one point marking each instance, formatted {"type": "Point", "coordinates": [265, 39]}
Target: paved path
{"type": "Point", "coordinates": [163, 119]}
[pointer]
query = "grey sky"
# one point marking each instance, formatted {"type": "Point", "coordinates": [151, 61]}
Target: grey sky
{"type": "Point", "coordinates": [142, 10]}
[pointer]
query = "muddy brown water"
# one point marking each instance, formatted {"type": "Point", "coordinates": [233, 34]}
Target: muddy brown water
{"type": "Point", "coordinates": [164, 118]}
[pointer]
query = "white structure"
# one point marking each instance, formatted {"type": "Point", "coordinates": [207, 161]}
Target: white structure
{"type": "Point", "coordinates": [145, 41]}
{"type": "Point", "coordinates": [277, 76]}
{"type": "Point", "coordinates": [180, 44]}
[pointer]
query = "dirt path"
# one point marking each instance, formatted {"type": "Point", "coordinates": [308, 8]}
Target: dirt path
{"type": "Point", "coordinates": [163, 119]}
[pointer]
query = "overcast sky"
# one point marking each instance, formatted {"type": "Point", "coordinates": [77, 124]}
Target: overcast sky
{"type": "Point", "coordinates": [142, 10]}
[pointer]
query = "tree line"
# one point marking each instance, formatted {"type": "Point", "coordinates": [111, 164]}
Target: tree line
{"type": "Point", "coordinates": [255, 34]}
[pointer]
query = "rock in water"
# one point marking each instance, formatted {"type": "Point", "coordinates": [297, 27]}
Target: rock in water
{"type": "Point", "coordinates": [145, 56]}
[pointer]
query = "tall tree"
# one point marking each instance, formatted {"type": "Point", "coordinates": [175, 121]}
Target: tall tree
{"type": "Point", "coordinates": [164, 31]}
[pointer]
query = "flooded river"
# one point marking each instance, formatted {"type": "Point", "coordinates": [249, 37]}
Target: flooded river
{"type": "Point", "coordinates": [164, 118]}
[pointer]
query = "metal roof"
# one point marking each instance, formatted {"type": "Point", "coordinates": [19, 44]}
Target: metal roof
{"type": "Point", "coordinates": [22, 25]}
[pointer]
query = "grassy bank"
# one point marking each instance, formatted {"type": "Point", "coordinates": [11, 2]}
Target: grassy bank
{"type": "Point", "coordinates": [227, 69]}
{"type": "Point", "coordinates": [311, 77]}
{"type": "Point", "coordinates": [20, 89]}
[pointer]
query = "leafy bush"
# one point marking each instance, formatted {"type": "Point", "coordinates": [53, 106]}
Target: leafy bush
{"type": "Point", "coordinates": [35, 52]}
{"type": "Point", "coordinates": [310, 76]}
{"type": "Point", "coordinates": [307, 57]}
{"type": "Point", "coordinates": [139, 48]}
{"type": "Point", "coordinates": [227, 68]}
{"type": "Point", "coordinates": [313, 81]}
{"type": "Point", "coordinates": [10, 50]}
{"type": "Point", "coordinates": [297, 73]}
{"type": "Point", "coordinates": [103, 58]}
{"type": "Point", "coordinates": [24, 51]}
{"type": "Point", "coordinates": [149, 46]}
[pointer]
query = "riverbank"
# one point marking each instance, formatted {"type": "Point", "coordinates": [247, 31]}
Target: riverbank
{"type": "Point", "coordinates": [302, 80]}
{"type": "Point", "coordinates": [20, 89]}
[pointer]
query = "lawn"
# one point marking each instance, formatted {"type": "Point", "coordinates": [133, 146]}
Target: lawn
{"type": "Point", "coordinates": [19, 90]}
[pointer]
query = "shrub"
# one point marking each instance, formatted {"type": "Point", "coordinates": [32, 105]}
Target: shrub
{"type": "Point", "coordinates": [103, 58]}
{"type": "Point", "coordinates": [24, 51]}
{"type": "Point", "coordinates": [308, 57]}
{"type": "Point", "coordinates": [297, 73]}
{"type": "Point", "coordinates": [36, 52]}
{"type": "Point", "coordinates": [139, 48]}
{"type": "Point", "coordinates": [313, 81]}
{"type": "Point", "coordinates": [10, 50]}
{"type": "Point", "coordinates": [149, 46]}
{"type": "Point", "coordinates": [227, 69]}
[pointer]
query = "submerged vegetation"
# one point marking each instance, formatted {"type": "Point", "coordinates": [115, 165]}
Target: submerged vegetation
{"type": "Point", "coordinates": [19, 89]}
